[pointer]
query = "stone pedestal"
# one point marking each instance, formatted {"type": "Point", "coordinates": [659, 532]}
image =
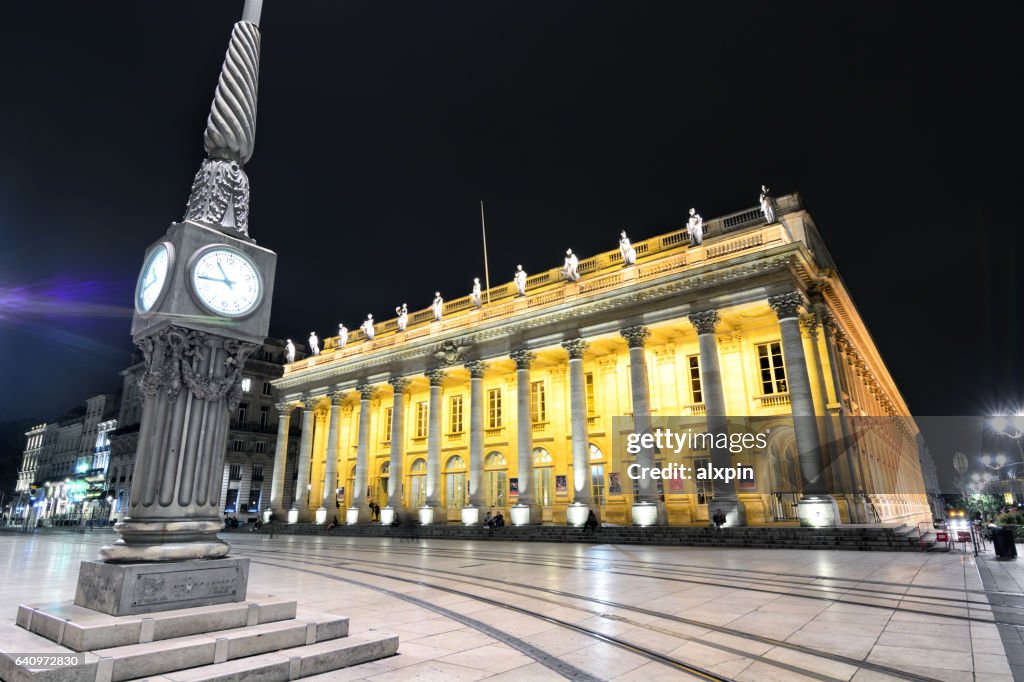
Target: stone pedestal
{"type": "Point", "coordinates": [126, 589]}
{"type": "Point", "coordinates": [432, 516]}
{"type": "Point", "coordinates": [649, 514]}
{"type": "Point", "coordinates": [470, 516]}
{"type": "Point", "coordinates": [526, 514]}
{"type": "Point", "coordinates": [817, 511]}
{"type": "Point", "coordinates": [576, 514]}
{"type": "Point", "coordinates": [354, 515]}
{"type": "Point", "coordinates": [735, 511]}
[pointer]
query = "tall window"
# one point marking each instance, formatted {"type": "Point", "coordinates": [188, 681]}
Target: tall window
{"type": "Point", "coordinates": [261, 447]}
{"type": "Point", "coordinates": [538, 403]}
{"type": "Point", "coordinates": [588, 382]}
{"type": "Point", "coordinates": [455, 414]}
{"type": "Point", "coordinates": [243, 411]}
{"type": "Point", "coordinates": [421, 419]}
{"type": "Point", "coordinates": [264, 417]}
{"type": "Point", "coordinates": [494, 408]}
{"type": "Point", "coordinates": [257, 472]}
{"type": "Point", "coordinates": [235, 472]}
{"type": "Point", "coordinates": [268, 388]}
{"type": "Point", "coordinates": [456, 495]}
{"type": "Point", "coordinates": [418, 484]}
{"type": "Point", "coordinates": [705, 491]}
{"type": "Point", "coordinates": [544, 490]}
{"type": "Point", "coordinates": [597, 474]}
{"type": "Point", "coordinates": [238, 446]}
{"type": "Point", "coordinates": [495, 479]}
{"type": "Point", "coordinates": [693, 369]}
{"type": "Point", "coordinates": [773, 373]}
{"type": "Point", "coordinates": [387, 424]}
{"type": "Point", "coordinates": [246, 384]}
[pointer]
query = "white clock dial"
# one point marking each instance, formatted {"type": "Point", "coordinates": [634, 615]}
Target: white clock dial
{"type": "Point", "coordinates": [226, 281]}
{"type": "Point", "coordinates": [152, 278]}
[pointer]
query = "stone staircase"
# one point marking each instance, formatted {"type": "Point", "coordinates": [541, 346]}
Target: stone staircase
{"type": "Point", "coordinates": [860, 538]}
{"type": "Point", "coordinates": [261, 639]}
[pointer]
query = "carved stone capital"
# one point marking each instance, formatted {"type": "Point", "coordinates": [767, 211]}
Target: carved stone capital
{"type": "Point", "coordinates": [337, 397]}
{"type": "Point", "coordinates": [522, 358]}
{"type": "Point", "coordinates": [635, 336]}
{"type": "Point", "coordinates": [809, 322]}
{"type": "Point", "coordinates": [705, 322]}
{"type": "Point", "coordinates": [436, 376]}
{"type": "Point", "coordinates": [575, 348]}
{"type": "Point", "coordinates": [786, 305]}
{"type": "Point", "coordinates": [283, 409]}
{"type": "Point", "coordinates": [398, 383]}
{"type": "Point", "coordinates": [476, 368]}
{"type": "Point", "coordinates": [309, 403]}
{"type": "Point", "coordinates": [365, 391]}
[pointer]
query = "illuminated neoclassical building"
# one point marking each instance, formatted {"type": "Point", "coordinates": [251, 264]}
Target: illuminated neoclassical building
{"type": "Point", "coordinates": [511, 405]}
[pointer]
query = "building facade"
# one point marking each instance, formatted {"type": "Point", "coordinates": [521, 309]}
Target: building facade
{"type": "Point", "coordinates": [511, 404]}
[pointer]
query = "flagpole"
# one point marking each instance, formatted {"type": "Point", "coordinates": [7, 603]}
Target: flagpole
{"type": "Point", "coordinates": [487, 275]}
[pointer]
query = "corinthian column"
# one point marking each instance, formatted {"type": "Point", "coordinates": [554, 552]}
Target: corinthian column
{"type": "Point", "coordinates": [329, 496]}
{"type": "Point", "coordinates": [277, 483]}
{"type": "Point", "coordinates": [301, 504]}
{"type": "Point", "coordinates": [527, 510]}
{"type": "Point", "coordinates": [713, 392]}
{"type": "Point", "coordinates": [471, 514]}
{"type": "Point", "coordinates": [432, 511]}
{"type": "Point", "coordinates": [583, 492]}
{"type": "Point", "coordinates": [359, 512]}
{"type": "Point", "coordinates": [647, 508]}
{"type": "Point", "coordinates": [817, 508]}
{"type": "Point", "coordinates": [395, 469]}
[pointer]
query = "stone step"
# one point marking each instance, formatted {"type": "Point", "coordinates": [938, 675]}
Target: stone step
{"type": "Point", "coordinates": [291, 664]}
{"type": "Point", "coordinates": [170, 655]}
{"type": "Point", "coordinates": [82, 629]}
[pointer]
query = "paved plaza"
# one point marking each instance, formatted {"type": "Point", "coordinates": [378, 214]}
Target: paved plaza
{"type": "Point", "coordinates": [533, 611]}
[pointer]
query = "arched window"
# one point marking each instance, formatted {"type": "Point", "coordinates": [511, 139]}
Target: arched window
{"type": "Point", "coordinates": [543, 478]}
{"type": "Point", "coordinates": [495, 479]}
{"type": "Point", "coordinates": [597, 474]}
{"type": "Point", "coordinates": [379, 489]}
{"type": "Point", "coordinates": [456, 494]}
{"type": "Point", "coordinates": [418, 483]}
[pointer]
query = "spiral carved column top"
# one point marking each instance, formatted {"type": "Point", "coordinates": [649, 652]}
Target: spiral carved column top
{"type": "Point", "coordinates": [231, 127]}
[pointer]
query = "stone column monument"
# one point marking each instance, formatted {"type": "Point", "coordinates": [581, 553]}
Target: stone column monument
{"type": "Point", "coordinates": [527, 509]}
{"type": "Point", "coordinates": [432, 511]}
{"type": "Point", "coordinates": [583, 494]}
{"type": "Point", "coordinates": [471, 513]}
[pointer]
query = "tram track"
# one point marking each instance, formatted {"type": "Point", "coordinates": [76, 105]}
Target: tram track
{"type": "Point", "coordinates": [474, 581]}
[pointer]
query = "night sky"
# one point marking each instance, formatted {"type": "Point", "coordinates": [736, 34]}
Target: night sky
{"type": "Point", "coordinates": [383, 124]}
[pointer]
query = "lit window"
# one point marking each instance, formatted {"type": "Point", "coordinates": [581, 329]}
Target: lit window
{"type": "Point", "coordinates": [773, 373]}
{"type": "Point", "coordinates": [705, 491]}
{"type": "Point", "coordinates": [421, 419]}
{"type": "Point", "coordinates": [246, 384]}
{"type": "Point", "coordinates": [387, 424]}
{"type": "Point", "coordinates": [455, 414]}
{"type": "Point", "coordinates": [693, 368]}
{"type": "Point", "coordinates": [588, 381]}
{"type": "Point", "coordinates": [494, 408]}
{"type": "Point", "coordinates": [538, 403]}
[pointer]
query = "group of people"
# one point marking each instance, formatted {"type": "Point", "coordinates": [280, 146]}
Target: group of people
{"type": "Point", "coordinates": [570, 272]}
{"type": "Point", "coordinates": [494, 520]}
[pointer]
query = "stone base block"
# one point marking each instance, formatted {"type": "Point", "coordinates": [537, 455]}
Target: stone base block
{"type": "Point", "coordinates": [819, 511]}
{"type": "Point", "coordinates": [526, 514]}
{"type": "Point", "coordinates": [432, 516]}
{"type": "Point", "coordinates": [649, 514]}
{"type": "Point", "coordinates": [471, 516]}
{"type": "Point", "coordinates": [576, 514]}
{"type": "Point", "coordinates": [126, 589]}
{"type": "Point", "coordinates": [734, 510]}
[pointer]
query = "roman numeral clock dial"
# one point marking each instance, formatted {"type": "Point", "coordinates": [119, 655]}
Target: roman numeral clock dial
{"type": "Point", "coordinates": [226, 282]}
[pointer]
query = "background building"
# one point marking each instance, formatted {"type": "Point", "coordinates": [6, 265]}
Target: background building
{"type": "Point", "coordinates": [515, 400]}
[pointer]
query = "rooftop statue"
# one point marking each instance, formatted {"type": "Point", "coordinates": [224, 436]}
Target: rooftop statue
{"type": "Point", "coordinates": [314, 344]}
{"type": "Point", "coordinates": [767, 205]}
{"type": "Point", "coordinates": [342, 336]}
{"type": "Point", "coordinates": [627, 250]}
{"type": "Point", "coordinates": [437, 306]}
{"type": "Point", "coordinates": [695, 227]}
{"type": "Point", "coordinates": [475, 294]}
{"type": "Point", "coordinates": [520, 280]}
{"type": "Point", "coordinates": [403, 316]}
{"type": "Point", "coordinates": [367, 327]}
{"type": "Point", "coordinates": [289, 352]}
{"type": "Point", "coordinates": [571, 268]}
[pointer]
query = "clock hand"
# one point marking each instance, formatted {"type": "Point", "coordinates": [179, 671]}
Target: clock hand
{"type": "Point", "coordinates": [213, 279]}
{"type": "Point", "coordinates": [231, 285]}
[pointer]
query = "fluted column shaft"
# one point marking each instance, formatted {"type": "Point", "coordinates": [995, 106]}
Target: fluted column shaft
{"type": "Point", "coordinates": [359, 500]}
{"type": "Point", "coordinates": [640, 393]}
{"type": "Point", "coordinates": [305, 460]}
{"type": "Point", "coordinates": [583, 492]}
{"type": "Point", "coordinates": [805, 426]}
{"type": "Point", "coordinates": [277, 483]}
{"type": "Point", "coordinates": [713, 392]}
{"type": "Point", "coordinates": [524, 427]}
{"type": "Point", "coordinates": [476, 432]}
{"type": "Point", "coordinates": [434, 439]}
{"type": "Point", "coordinates": [329, 498]}
{"type": "Point", "coordinates": [395, 469]}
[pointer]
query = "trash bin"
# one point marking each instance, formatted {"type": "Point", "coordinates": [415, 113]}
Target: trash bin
{"type": "Point", "coordinates": [1003, 543]}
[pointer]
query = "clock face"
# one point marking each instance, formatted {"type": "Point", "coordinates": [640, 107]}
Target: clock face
{"type": "Point", "coordinates": [226, 281]}
{"type": "Point", "coordinates": [153, 278]}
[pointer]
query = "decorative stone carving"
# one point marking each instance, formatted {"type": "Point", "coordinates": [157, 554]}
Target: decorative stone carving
{"type": "Point", "coordinates": [767, 205]}
{"type": "Point", "coordinates": [309, 402]}
{"type": "Point", "coordinates": [635, 336]}
{"type": "Point", "coordinates": [520, 280]}
{"type": "Point", "coordinates": [342, 336]}
{"type": "Point", "coordinates": [436, 376]}
{"type": "Point", "coordinates": [314, 344]}
{"type": "Point", "coordinates": [809, 323]}
{"type": "Point", "coordinates": [367, 327]}
{"type": "Point", "coordinates": [365, 391]}
{"type": "Point", "coordinates": [398, 383]}
{"type": "Point", "coordinates": [437, 306]}
{"type": "Point", "coordinates": [626, 249]}
{"type": "Point", "coordinates": [283, 408]}
{"type": "Point", "coordinates": [705, 322]}
{"type": "Point", "coordinates": [786, 305]}
{"type": "Point", "coordinates": [337, 397]}
{"type": "Point", "coordinates": [220, 196]}
{"type": "Point", "coordinates": [522, 358]}
{"type": "Point", "coordinates": [695, 228]}
{"type": "Point", "coordinates": [476, 295]}
{"type": "Point", "coordinates": [403, 316]}
{"type": "Point", "coordinates": [449, 353]}
{"type": "Point", "coordinates": [289, 352]}
{"type": "Point", "coordinates": [476, 368]}
{"type": "Point", "coordinates": [570, 270]}
{"type": "Point", "coordinates": [575, 348]}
